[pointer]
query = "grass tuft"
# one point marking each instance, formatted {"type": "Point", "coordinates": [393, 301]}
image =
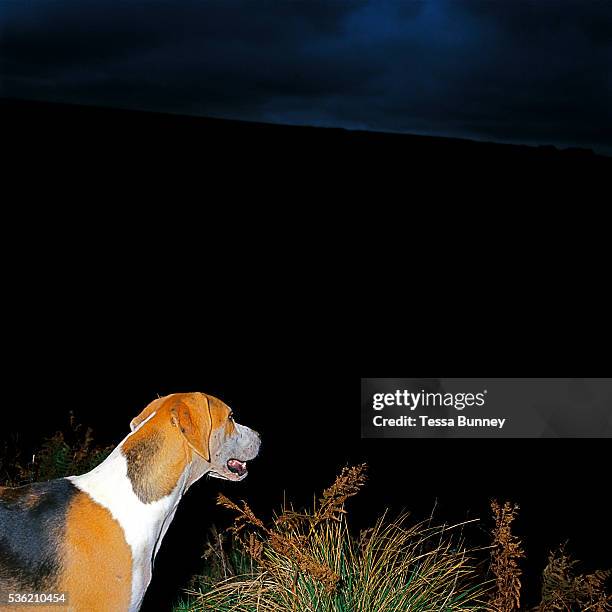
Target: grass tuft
{"type": "Point", "coordinates": [308, 561]}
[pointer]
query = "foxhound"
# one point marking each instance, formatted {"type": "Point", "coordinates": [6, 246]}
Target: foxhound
{"type": "Point", "coordinates": [92, 539]}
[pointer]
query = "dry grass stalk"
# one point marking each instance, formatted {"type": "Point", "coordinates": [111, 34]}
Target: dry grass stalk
{"type": "Point", "coordinates": [505, 555]}
{"type": "Point", "coordinates": [348, 484]}
{"type": "Point", "coordinates": [329, 507]}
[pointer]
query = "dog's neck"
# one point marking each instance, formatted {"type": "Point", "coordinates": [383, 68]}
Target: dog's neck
{"type": "Point", "coordinates": [140, 486]}
{"type": "Point", "coordinates": [156, 457]}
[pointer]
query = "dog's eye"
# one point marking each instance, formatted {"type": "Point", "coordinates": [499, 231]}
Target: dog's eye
{"type": "Point", "coordinates": [230, 417]}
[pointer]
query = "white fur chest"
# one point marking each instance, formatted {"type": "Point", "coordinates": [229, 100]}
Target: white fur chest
{"type": "Point", "coordinates": [144, 525]}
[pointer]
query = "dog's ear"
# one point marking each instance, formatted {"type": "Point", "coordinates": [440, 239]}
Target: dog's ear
{"type": "Point", "coordinates": [194, 421]}
{"type": "Point", "coordinates": [154, 406]}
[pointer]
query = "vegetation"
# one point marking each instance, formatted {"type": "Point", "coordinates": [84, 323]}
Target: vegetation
{"type": "Point", "coordinates": [309, 561]}
{"type": "Point", "coordinates": [563, 589]}
{"type": "Point", "coordinates": [65, 453]}
{"type": "Point", "coordinates": [506, 553]}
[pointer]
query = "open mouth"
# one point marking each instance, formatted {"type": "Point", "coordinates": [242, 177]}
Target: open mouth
{"type": "Point", "coordinates": [237, 467]}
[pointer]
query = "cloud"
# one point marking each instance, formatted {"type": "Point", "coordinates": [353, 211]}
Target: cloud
{"type": "Point", "coordinates": [520, 71]}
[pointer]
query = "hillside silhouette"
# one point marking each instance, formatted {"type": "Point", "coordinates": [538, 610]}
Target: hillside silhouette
{"type": "Point", "coordinates": [88, 134]}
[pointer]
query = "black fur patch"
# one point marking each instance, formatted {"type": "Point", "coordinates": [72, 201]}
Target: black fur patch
{"type": "Point", "coordinates": [32, 523]}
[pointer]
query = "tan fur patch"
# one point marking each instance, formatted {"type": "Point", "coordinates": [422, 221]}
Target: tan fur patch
{"type": "Point", "coordinates": [96, 559]}
{"type": "Point", "coordinates": [156, 458]}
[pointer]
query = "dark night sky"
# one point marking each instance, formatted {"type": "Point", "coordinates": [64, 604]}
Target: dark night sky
{"type": "Point", "coordinates": [535, 72]}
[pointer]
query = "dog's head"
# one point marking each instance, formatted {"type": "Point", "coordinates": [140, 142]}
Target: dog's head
{"type": "Point", "coordinates": [219, 445]}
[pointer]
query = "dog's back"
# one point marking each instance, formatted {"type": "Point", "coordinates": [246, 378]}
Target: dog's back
{"type": "Point", "coordinates": [32, 521]}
